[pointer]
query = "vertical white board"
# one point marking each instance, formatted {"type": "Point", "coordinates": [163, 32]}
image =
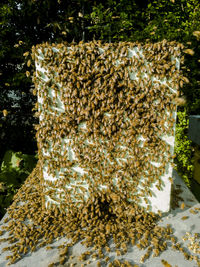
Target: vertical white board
{"type": "Point", "coordinates": [160, 199]}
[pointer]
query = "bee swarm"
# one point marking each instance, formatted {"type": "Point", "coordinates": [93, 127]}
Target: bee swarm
{"type": "Point", "coordinates": [110, 90]}
{"type": "Point", "coordinates": [93, 85]}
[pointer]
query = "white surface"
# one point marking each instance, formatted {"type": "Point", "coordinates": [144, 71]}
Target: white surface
{"type": "Point", "coordinates": [43, 257]}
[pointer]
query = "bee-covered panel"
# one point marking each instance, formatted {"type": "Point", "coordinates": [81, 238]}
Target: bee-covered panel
{"type": "Point", "coordinates": [107, 117]}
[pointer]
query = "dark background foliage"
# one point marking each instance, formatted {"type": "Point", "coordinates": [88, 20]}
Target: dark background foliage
{"type": "Point", "coordinates": [24, 23]}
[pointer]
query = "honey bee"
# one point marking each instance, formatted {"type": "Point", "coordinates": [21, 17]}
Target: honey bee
{"type": "Point", "coordinates": [107, 249]}
{"type": "Point", "coordinates": [49, 247]}
{"type": "Point", "coordinates": [193, 211]}
{"type": "Point", "coordinates": [182, 205]}
{"type": "Point", "coordinates": [186, 255]}
{"type": "Point", "coordinates": [165, 263]}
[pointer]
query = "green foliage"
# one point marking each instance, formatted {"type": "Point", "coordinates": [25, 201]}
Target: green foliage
{"type": "Point", "coordinates": [183, 148]}
{"type": "Point", "coordinates": [172, 20]}
{"type": "Point", "coordinates": [15, 168]}
{"type": "Point", "coordinates": [115, 20]}
{"type": "Point", "coordinates": [154, 20]}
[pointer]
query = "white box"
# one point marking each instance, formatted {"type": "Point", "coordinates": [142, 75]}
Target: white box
{"type": "Point", "coordinates": [160, 199]}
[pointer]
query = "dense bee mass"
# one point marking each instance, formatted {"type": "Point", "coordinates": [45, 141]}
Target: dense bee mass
{"type": "Point", "coordinates": [110, 104]}
{"type": "Point", "coordinates": [84, 84]}
{"type": "Point", "coordinates": [30, 227]}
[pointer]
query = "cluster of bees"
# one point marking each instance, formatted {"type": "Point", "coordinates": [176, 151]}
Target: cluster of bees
{"type": "Point", "coordinates": [94, 82]}
{"type": "Point", "coordinates": [31, 227]}
{"type": "Point", "coordinates": [194, 244]}
{"type": "Point", "coordinates": [111, 90]}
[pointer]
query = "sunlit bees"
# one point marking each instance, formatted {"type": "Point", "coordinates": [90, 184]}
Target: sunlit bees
{"type": "Point", "coordinates": [93, 85]}
{"type": "Point", "coordinates": [184, 218]}
{"type": "Point", "coordinates": [62, 260]}
{"type": "Point", "coordinates": [182, 205]}
{"type": "Point", "coordinates": [27, 73]}
{"type": "Point", "coordinates": [165, 263]}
